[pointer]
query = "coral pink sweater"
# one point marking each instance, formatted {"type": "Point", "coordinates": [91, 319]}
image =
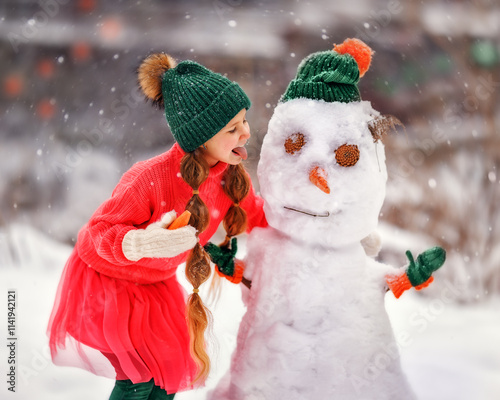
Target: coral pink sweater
{"type": "Point", "coordinates": [147, 191]}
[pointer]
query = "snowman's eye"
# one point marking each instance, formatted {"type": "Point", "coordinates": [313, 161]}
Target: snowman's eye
{"type": "Point", "coordinates": [294, 143]}
{"type": "Point", "coordinates": [347, 155]}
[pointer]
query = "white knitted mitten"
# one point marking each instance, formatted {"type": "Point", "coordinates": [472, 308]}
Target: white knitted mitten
{"type": "Point", "coordinates": [157, 242]}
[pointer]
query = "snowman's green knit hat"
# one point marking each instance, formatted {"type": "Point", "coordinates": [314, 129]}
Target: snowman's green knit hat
{"type": "Point", "coordinates": [198, 102]}
{"type": "Point", "coordinates": [331, 75]}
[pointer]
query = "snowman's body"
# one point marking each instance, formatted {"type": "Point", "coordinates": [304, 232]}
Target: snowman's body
{"type": "Point", "coordinates": [316, 326]}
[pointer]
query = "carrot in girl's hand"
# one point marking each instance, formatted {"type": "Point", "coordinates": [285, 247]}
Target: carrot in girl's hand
{"type": "Point", "coordinates": [180, 221]}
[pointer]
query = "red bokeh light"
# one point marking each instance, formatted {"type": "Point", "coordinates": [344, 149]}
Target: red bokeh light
{"type": "Point", "coordinates": [13, 85]}
{"type": "Point", "coordinates": [81, 51]}
{"type": "Point", "coordinates": [45, 68]}
{"type": "Point", "coordinates": [111, 29]}
{"type": "Point", "coordinates": [86, 6]}
{"type": "Point", "coordinates": [46, 108]}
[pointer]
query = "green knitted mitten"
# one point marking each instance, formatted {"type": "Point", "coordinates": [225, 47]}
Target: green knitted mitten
{"type": "Point", "coordinates": [421, 270]}
{"type": "Point", "coordinates": [223, 257]}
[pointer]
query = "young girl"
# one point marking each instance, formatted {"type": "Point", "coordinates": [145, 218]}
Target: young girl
{"type": "Point", "coordinates": [119, 296]}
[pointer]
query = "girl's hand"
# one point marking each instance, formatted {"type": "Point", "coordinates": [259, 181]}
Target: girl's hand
{"type": "Point", "coordinates": [157, 242]}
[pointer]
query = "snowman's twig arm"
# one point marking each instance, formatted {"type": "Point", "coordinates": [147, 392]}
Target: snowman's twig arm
{"type": "Point", "coordinates": [246, 282]}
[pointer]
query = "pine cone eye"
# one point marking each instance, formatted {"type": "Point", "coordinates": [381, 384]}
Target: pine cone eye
{"type": "Point", "coordinates": [294, 143]}
{"type": "Point", "coordinates": [347, 155]}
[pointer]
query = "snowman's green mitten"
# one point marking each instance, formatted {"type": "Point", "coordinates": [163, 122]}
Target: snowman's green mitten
{"type": "Point", "coordinates": [419, 272]}
{"type": "Point", "coordinates": [223, 257]}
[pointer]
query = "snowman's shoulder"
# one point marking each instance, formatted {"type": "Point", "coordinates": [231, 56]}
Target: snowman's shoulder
{"type": "Point", "coordinates": [377, 268]}
{"type": "Point", "coordinates": [262, 244]}
{"type": "Point", "coordinates": [263, 237]}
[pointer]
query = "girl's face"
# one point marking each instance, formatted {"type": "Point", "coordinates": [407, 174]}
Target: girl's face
{"type": "Point", "coordinates": [227, 144]}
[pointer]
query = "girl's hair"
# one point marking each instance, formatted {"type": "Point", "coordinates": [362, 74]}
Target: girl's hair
{"type": "Point", "coordinates": [194, 171]}
{"type": "Point", "coordinates": [236, 184]}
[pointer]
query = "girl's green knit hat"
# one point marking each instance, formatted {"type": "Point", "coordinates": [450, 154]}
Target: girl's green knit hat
{"type": "Point", "coordinates": [198, 102]}
{"type": "Point", "coordinates": [331, 75]}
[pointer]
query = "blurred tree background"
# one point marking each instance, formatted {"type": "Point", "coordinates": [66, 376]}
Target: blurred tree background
{"type": "Point", "coordinates": [72, 119]}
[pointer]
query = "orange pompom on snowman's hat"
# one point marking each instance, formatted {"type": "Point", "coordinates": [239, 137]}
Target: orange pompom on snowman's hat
{"type": "Point", "coordinates": [359, 50]}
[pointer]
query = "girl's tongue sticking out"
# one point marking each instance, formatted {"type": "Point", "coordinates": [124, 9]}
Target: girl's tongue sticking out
{"type": "Point", "coordinates": [241, 151]}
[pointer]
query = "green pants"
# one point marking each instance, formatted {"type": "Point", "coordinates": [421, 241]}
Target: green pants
{"type": "Point", "coordinates": [126, 390]}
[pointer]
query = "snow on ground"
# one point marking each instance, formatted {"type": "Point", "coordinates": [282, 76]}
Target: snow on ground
{"type": "Point", "coordinates": [448, 350]}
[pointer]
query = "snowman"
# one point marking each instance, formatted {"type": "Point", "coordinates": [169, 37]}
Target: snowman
{"type": "Point", "coordinates": [315, 325]}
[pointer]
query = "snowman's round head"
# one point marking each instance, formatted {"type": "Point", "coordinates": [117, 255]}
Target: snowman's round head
{"type": "Point", "coordinates": [322, 173]}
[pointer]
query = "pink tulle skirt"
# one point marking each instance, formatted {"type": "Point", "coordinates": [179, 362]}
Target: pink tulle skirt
{"type": "Point", "coordinates": [120, 329]}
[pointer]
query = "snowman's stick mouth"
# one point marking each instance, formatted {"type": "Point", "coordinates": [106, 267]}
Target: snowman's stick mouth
{"type": "Point", "coordinates": [326, 214]}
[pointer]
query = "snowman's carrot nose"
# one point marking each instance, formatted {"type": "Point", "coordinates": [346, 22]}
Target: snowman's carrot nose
{"type": "Point", "coordinates": [318, 177]}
